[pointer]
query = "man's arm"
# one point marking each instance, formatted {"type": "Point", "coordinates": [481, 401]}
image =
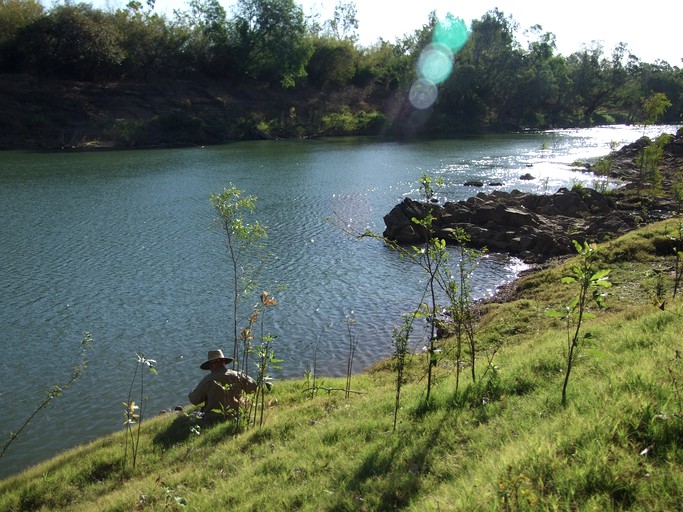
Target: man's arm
{"type": "Point", "coordinates": [247, 383]}
{"type": "Point", "coordinates": [198, 395]}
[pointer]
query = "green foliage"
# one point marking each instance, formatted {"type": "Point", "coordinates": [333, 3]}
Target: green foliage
{"type": "Point", "coordinates": [400, 339]}
{"type": "Point", "coordinates": [332, 63]}
{"type": "Point", "coordinates": [649, 160]}
{"type": "Point", "coordinates": [56, 391]}
{"type": "Point", "coordinates": [272, 40]}
{"type": "Point", "coordinates": [344, 22]}
{"type": "Point", "coordinates": [243, 241]}
{"type": "Point", "coordinates": [602, 166]}
{"type": "Point", "coordinates": [654, 107]}
{"type": "Point", "coordinates": [133, 412]}
{"type": "Point", "coordinates": [146, 42]}
{"type": "Point", "coordinates": [432, 258]}
{"type": "Point", "coordinates": [15, 15]}
{"type": "Point", "coordinates": [427, 184]}
{"type": "Point", "coordinates": [264, 45]}
{"type": "Point", "coordinates": [346, 122]}
{"type": "Point", "coordinates": [353, 344]}
{"type": "Point", "coordinates": [47, 46]}
{"type": "Point", "coordinates": [266, 358]}
{"type": "Point", "coordinates": [461, 304]}
{"type": "Point", "coordinates": [591, 282]}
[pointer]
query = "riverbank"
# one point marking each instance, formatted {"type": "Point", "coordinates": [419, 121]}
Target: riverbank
{"type": "Point", "coordinates": [41, 113]}
{"type": "Point", "coordinates": [538, 227]}
{"type": "Point", "coordinates": [145, 214]}
{"type": "Point", "coordinates": [503, 442]}
{"type": "Point", "coordinates": [50, 114]}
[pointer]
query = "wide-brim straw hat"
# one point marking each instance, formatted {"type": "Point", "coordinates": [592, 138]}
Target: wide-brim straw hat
{"type": "Point", "coordinates": [215, 355]}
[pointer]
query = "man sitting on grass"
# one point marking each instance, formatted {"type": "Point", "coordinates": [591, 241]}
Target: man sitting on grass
{"type": "Point", "coordinates": [221, 390]}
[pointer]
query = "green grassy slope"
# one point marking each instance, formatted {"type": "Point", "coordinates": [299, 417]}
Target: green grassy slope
{"type": "Point", "coordinates": [502, 443]}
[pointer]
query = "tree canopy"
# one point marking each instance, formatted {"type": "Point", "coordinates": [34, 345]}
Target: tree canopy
{"type": "Point", "coordinates": [494, 82]}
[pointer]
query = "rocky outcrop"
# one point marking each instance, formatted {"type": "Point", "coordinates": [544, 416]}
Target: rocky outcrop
{"type": "Point", "coordinates": [531, 226]}
{"type": "Point", "coordinates": [538, 227]}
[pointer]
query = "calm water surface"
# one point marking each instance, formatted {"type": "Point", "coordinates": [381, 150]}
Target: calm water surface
{"type": "Point", "coordinates": [120, 244]}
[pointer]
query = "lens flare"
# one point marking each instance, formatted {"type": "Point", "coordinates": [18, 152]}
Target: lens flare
{"type": "Point", "coordinates": [435, 63]}
{"type": "Point", "coordinates": [422, 94]}
{"type": "Point", "coordinates": [451, 32]}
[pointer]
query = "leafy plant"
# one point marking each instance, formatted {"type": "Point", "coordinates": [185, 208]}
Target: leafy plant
{"type": "Point", "coordinates": [266, 360]}
{"type": "Point", "coordinates": [432, 257]}
{"type": "Point", "coordinates": [654, 107]}
{"type": "Point", "coordinates": [427, 185]}
{"type": "Point", "coordinates": [649, 160]}
{"type": "Point", "coordinates": [227, 412]}
{"type": "Point", "coordinates": [400, 337]}
{"type": "Point", "coordinates": [459, 292]}
{"type": "Point", "coordinates": [244, 243]}
{"type": "Point", "coordinates": [311, 374]}
{"type": "Point", "coordinates": [55, 392]}
{"type": "Point", "coordinates": [131, 415]}
{"type": "Point", "coordinates": [603, 165]}
{"type": "Point", "coordinates": [591, 282]}
{"type": "Point", "coordinates": [353, 343]}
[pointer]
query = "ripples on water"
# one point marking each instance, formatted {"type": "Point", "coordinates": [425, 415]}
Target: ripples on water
{"type": "Point", "coordinates": [119, 244]}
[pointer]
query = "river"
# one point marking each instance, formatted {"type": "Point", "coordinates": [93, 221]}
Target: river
{"type": "Point", "coordinates": [121, 244]}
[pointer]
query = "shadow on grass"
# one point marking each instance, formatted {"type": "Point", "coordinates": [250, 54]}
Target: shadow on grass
{"type": "Point", "coordinates": [178, 431]}
{"type": "Point", "coordinates": [389, 478]}
{"type": "Point", "coordinates": [186, 425]}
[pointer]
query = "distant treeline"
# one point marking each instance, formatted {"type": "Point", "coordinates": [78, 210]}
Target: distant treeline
{"type": "Point", "coordinates": [496, 83]}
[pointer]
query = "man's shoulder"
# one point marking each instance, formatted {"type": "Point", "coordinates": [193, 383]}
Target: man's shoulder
{"type": "Point", "coordinates": [228, 373]}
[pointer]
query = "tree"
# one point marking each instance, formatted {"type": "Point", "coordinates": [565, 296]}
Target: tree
{"type": "Point", "coordinates": [654, 107]}
{"type": "Point", "coordinates": [590, 281]}
{"type": "Point", "coordinates": [649, 160]}
{"type": "Point", "coordinates": [596, 79]}
{"type": "Point", "coordinates": [344, 22]}
{"type": "Point", "coordinates": [333, 63]}
{"type": "Point", "coordinates": [145, 40]}
{"type": "Point", "coordinates": [73, 42]}
{"type": "Point", "coordinates": [384, 65]}
{"type": "Point", "coordinates": [243, 242]}
{"type": "Point", "coordinates": [273, 40]}
{"type": "Point", "coordinates": [14, 16]}
{"type": "Point", "coordinates": [207, 37]}
{"type": "Point", "coordinates": [543, 83]}
{"type": "Point", "coordinates": [495, 58]}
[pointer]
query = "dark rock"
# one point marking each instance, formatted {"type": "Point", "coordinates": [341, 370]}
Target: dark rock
{"type": "Point", "coordinates": [533, 227]}
{"type": "Point", "coordinates": [538, 227]}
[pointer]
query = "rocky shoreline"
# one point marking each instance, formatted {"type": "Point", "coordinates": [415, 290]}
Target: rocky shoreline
{"type": "Point", "coordinates": [539, 227]}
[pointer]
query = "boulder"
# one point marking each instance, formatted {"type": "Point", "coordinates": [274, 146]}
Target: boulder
{"type": "Point", "coordinates": [537, 227]}
{"type": "Point", "coordinates": [533, 227]}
